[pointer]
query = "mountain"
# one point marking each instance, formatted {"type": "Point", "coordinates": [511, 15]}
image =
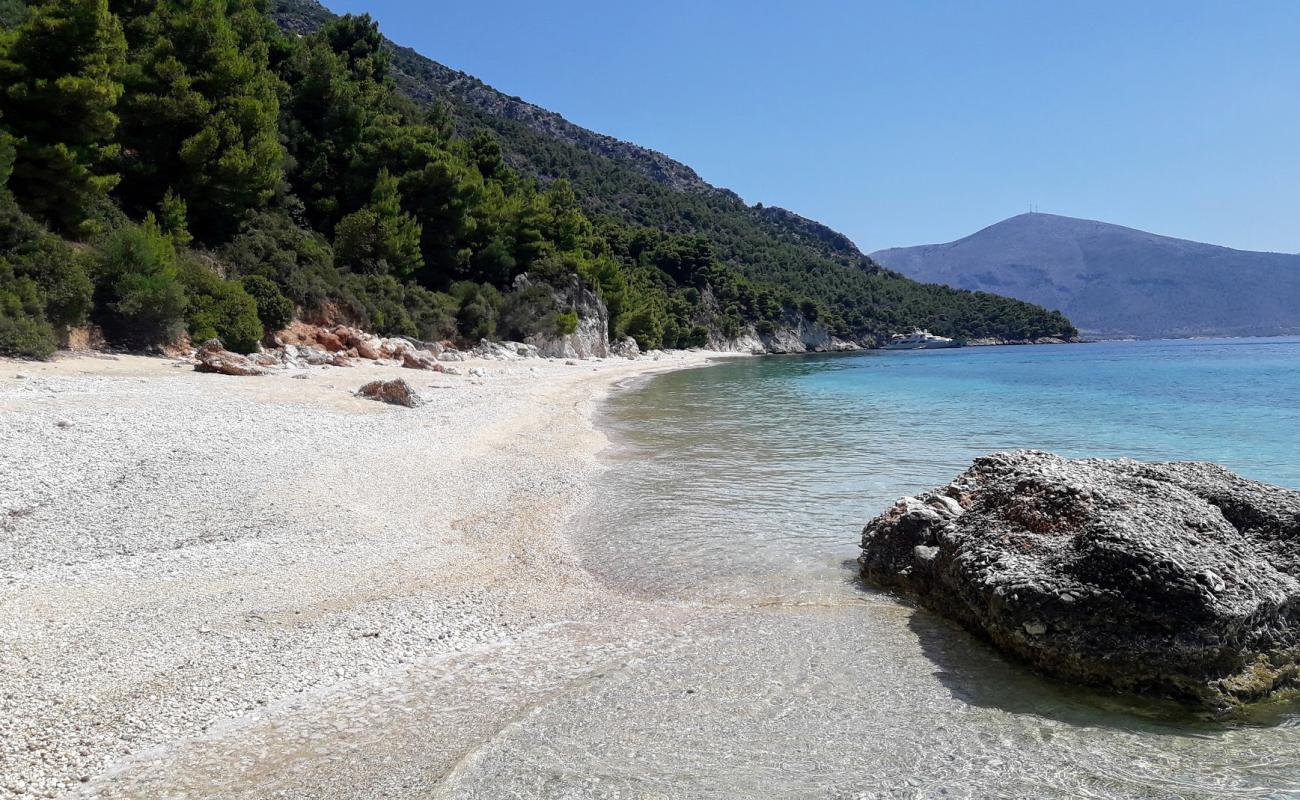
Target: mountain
{"type": "Point", "coordinates": [630, 185]}
{"type": "Point", "coordinates": [1116, 281]}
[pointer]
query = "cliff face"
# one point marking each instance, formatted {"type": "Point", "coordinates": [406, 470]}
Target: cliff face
{"type": "Point", "coordinates": [591, 339]}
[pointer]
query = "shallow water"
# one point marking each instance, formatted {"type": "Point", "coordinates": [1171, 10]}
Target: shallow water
{"type": "Point", "coordinates": [745, 486]}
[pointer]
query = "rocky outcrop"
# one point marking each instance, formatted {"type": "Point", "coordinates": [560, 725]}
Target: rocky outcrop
{"type": "Point", "coordinates": [397, 391]}
{"type": "Point", "coordinates": [591, 339]}
{"type": "Point", "coordinates": [625, 348]}
{"type": "Point", "coordinates": [1177, 579]}
{"type": "Point", "coordinates": [213, 357]}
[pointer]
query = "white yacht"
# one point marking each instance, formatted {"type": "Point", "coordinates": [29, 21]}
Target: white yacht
{"type": "Point", "coordinates": [920, 340]}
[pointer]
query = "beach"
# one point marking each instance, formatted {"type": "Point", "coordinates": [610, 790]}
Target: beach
{"type": "Point", "coordinates": [223, 586]}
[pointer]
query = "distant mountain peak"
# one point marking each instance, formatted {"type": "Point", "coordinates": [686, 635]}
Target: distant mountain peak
{"type": "Point", "coordinates": [1114, 280]}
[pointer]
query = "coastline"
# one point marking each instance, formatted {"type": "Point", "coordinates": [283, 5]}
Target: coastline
{"type": "Point", "coordinates": [194, 563]}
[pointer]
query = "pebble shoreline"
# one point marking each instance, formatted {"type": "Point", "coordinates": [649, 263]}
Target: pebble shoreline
{"type": "Point", "coordinates": [180, 551]}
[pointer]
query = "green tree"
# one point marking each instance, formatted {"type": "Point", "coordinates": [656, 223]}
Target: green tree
{"type": "Point", "coordinates": [218, 308]}
{"type": "Point", "coordinates": [139, 298]}
{"type": "Point", "coordinates": [201, 111]}
{"type": "Point", "coordinates": [380, 239]}
{"type": "Point", "coordinates": [61, 70]}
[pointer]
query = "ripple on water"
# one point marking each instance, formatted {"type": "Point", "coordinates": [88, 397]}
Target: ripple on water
{"type": "Point", "coordinates": [745, 485]}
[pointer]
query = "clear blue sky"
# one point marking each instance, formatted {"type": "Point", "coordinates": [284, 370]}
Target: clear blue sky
{"type": "Point", "coordinates": [907, 122]}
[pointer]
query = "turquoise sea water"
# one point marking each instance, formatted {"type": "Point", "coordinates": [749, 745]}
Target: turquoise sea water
{"type": "Point", "coordinates": [737, 493]}
{"type": "Point", "coordinates": [786, 458]}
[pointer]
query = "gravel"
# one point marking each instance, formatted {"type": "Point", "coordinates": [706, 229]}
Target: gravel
{"type": "Point", "coordinates": [181, 551]}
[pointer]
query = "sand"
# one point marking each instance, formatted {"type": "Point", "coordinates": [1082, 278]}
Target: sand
{"type": "Point", "coordinates": [214, 586]}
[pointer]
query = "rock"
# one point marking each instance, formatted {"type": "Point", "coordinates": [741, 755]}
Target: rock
{"type": "Point", "coordinates": [366, 345]}
{"type": "Point", "coordinates": [591, 337]}
{"type": "Point", "coordinates": [213, 357]}
{"type": "Point", "coordinates": [477, 372]}
{"type": "Point", "coordinates": [1177, 579]}
{"type": "Point", "coordinates": [396, 391]}
{"type": "Point", "coordinates": [625, 348]}
{"type": "Point", "coordinates": [418, 359]}
{"type": "Point", "coordinates": [329, 341]}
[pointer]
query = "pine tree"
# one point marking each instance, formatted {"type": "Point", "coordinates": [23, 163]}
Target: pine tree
{"type": "Point", "coordinates": [201, 112]}
{"type": "Point", "coordinates": [61, 72]}
{"type": "Point", "coordinates": [380, 238]}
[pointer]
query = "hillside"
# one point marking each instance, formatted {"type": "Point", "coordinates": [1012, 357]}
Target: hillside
{"type": "Point", "coordinates": [626, 184]}
{"type": "Point", "coordinates": [1117, 281]}
{"type": "Point", "coordinates": [173, 172]}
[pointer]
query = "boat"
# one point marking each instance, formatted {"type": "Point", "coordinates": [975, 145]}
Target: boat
{"type": "Point", "coordinates": [920, 340]}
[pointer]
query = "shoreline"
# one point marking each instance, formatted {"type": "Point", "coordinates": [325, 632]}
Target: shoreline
{"type": "Point", "coordinates": [192, 558]}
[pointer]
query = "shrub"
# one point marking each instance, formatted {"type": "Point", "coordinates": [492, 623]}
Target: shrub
{"type": "Point", "coordinates": [139, 298]}
{"type": "Point", "coordinates": [219, 308]}
{"type": "Point", "coordinates": [57, 269]}
{"type": "Point", "coordinates": [273, 309]}
{"type": "Point", "coordinates": [24, 331]}
{"type": "Point", "coordinates": [295, 259]}
{"type": "Point", "coordinates": [479, 309]}
{"type": "Point", "coordinates": [527, 311]}
{"type": "Point", "coordinates": [566, 322]}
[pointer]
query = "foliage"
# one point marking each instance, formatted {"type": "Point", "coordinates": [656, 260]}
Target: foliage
{"type": "Point", "coordinates": [139, 297]}
{"type": "Point", "coordinates": [187, 140]}
{"type": "Point", "coordinates": [61, 72]}
{"type": "Point", "coordinates": [24, 332]}
{"type": "Point", "coordinates": [273, 308]}
{"type": "Point", "coordinates": [201, 109]}
{"type": "Point", "coordinates": [218, 308]}
{"type": "Point", "coordinates": [380, 238]}
{"type": "Point", "coordinates": [298, 261]}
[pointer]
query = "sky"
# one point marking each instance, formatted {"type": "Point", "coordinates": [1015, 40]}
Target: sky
{"type": "Point", "coordinates": [901, 123]}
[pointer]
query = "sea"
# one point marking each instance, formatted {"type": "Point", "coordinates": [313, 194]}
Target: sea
{"type": "Point", "coordinates": [740, 489]}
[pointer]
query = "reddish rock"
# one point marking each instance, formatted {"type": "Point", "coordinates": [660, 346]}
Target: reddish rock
{"type": "Point", "coordinates": [330, 341]}
{"type": "Point", "coordinates": [418, 359]}
{"type": "Point", "coordinates": [397, 391]}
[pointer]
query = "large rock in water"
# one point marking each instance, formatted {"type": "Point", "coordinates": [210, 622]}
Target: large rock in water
{"type": "Point", "coordinates": [1177, 579]}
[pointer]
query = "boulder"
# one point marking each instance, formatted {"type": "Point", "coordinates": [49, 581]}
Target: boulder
{"type": "Point", "coordinates": [329, 341]}
{"type": "Point", "coordinates": [1177, 579]}
{"type": "Point", "coordinates": [366, 345]}
{"type": "Point", "coordinates": [397, 391]}
{"type": "Point", "coordinates": [420, 359]}
{"type": "Point", "coordinates": [625, 348]}
{"type": "Point", "coordinates": [213, 357]}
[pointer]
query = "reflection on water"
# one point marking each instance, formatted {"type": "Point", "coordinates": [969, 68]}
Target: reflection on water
{"type": "Point", "coordinates": [744, 486]}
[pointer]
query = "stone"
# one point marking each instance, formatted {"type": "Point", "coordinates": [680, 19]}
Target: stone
{"type": "Point", "coordinates": [418, 359]}
{"type": "Point", "coordinates": [213, 357]}
{"type": "Point", "coordinates": [1179, 580]}
{"type": "Point", "coordinates": [625, 348]}
{"type": "Point", "coordinates": [396, 391]}
{"type": "Point", "coordinates": [329, 341]}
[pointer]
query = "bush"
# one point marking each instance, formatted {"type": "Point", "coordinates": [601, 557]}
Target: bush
{"type": "Point", "coordinates": [389, 307]}
{"type": "Point", "coordinates": [527, 311]}
{"type": "Point", "coordinates": [57, 269]}
{"type": "Point", "coordinates": [273, 309]}
{"type": "Point", "coordinates": [566, 322]}
{"type": "Point", "coordinates": [219, 308]}
{"type": "Point", "coordinates": [139, 298]}
{"type": "Point", "coordinates": [298, 261]}
{"type": "Point", "coordinates": [24, 331]}
{"type": "Point", "coordinates": [479, 310]}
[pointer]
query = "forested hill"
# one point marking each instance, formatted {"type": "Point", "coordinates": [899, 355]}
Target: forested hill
{"type": "Point", "coordinates": [633, 185]}
{"type": "Point", "coordinates": [174, 168]}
